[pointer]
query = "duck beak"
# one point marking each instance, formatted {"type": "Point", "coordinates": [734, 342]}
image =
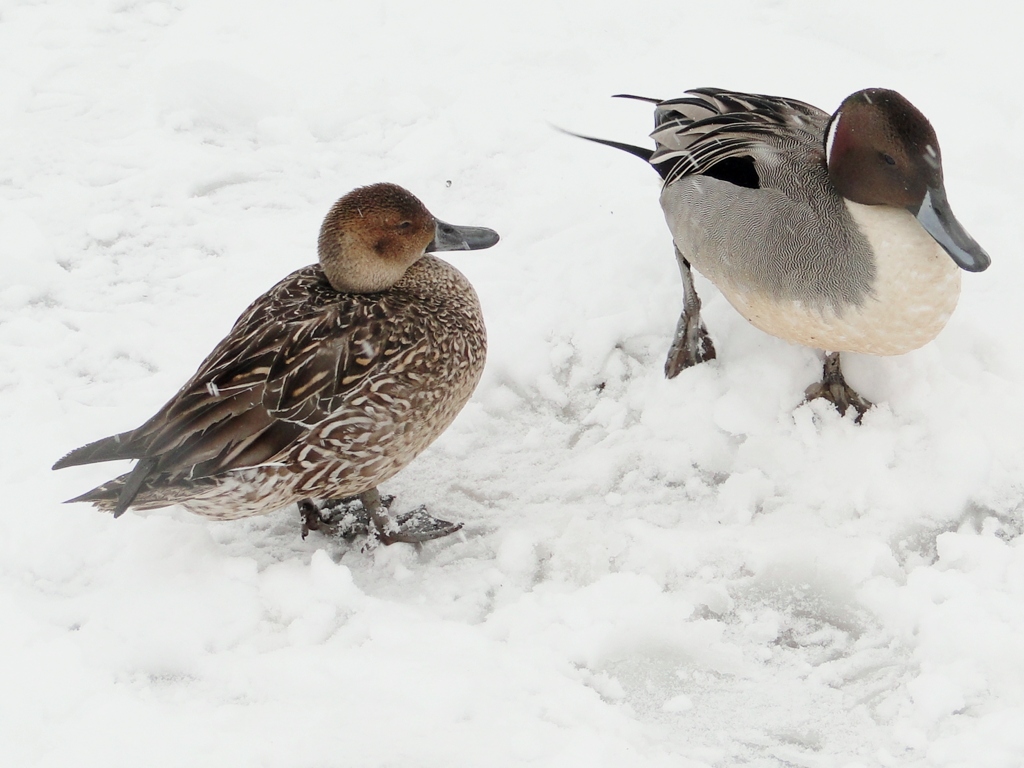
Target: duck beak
{"type": "Point", "coordinates": [448, 237]}
{"type": "Point", "coordinates": [938, 220]}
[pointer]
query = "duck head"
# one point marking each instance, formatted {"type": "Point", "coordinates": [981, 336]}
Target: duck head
{"type": "Point", "coordinates": [882, 151]}
{"type": "Point", "coordinates": [374, 234]}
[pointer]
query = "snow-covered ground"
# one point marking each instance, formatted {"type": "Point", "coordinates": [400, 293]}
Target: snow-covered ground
{"type": "Point", "coordinates": [697, 572]}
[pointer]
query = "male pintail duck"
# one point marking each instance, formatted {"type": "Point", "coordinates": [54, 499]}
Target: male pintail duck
{"type": "Point", "coordinates": [326, 386]}
{"type": "Point", "coordinates": [832, 232]}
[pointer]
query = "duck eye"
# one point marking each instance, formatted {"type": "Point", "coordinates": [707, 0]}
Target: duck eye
{"type": "Point", "coordinates": [888, 159]}
{"type": "Point", "coordinates": [405, 225]}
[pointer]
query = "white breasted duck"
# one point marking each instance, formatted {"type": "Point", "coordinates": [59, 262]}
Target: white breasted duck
{"type": "Point", "coordinates": [326, 386]}
{"type": "Point", "coordinates": [832, 232]}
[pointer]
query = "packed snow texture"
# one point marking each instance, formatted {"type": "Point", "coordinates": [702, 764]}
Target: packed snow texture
{"type": "Point", "coordinates": [697, 572]}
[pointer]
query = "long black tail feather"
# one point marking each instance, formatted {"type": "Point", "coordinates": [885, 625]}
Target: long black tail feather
{"type": "Point", "coordinates": [642, 152]}
{"type": "Point", "coordinates": [663, 169]}
{"type": "Point", "coordinates": [636, 98]}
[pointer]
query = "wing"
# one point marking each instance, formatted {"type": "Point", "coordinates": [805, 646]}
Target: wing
{"type": "Point", "coordinates": [714, 132]}
{"type": "Point", "coordinates": [290, 361]}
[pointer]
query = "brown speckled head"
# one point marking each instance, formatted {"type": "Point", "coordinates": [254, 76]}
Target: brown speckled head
{"type": "Point", "coordinates": [882, 151]}
{"type": "Point", "coordinates": [371, 236]}
{"type": "Point", "coordinates": [374, 234]}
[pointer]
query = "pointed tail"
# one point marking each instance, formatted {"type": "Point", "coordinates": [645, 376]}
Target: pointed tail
{"type": "Point", "coordinates": [108, 449]}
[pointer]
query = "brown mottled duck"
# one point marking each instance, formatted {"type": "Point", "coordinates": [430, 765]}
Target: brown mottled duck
{"type": "Point", "coordinates": [326, 386]}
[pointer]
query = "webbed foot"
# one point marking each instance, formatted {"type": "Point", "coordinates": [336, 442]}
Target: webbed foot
{"type": "Point", "coordinates": [346, 518]}
{"type": "Point", "coordinates": [833, 387]}
{"type": "Point", "coordinates": [368, 514]}
{"type": "Point", "coordinates": [692, 344]}
{"type": "Point", "coordinates": [417, 526]}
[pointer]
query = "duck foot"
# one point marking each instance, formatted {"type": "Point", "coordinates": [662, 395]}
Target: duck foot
{"type": "Point", "coordinates": [345, 518]}
{"type": "Point", "coordinates": [833, 387]}
{"type": "Point", "coordinates": [418, 526]}
{"type": "Point", "coordinates": [692, 344]}
{"type": "Point", "coordinates": [367, 514]}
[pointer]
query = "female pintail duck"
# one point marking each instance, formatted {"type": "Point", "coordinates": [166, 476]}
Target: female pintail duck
{"type": "Point", "coordinates": [832, 232]}
{"type": "Point", "coordinates": [326, 386]}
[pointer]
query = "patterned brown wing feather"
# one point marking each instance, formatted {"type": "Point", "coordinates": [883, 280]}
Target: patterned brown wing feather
{"type": "Point", "coordinates": [266, 383]}
{"type": "Point", "coordinates": [323, 358]}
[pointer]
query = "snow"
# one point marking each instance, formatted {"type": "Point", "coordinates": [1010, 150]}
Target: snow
{"type": "Point", "coordinates": [696, 572]}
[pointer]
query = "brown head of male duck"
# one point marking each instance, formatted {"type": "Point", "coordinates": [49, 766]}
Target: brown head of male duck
{"type": "Point", "coordinates": [326, 386]}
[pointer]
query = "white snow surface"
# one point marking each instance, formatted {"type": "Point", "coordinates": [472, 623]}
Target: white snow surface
{"type": "Point", "coordinates": [696, 572]}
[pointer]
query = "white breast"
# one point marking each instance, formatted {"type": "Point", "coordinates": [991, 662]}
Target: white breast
{"type": "Point", "coordinates": [915, 292]}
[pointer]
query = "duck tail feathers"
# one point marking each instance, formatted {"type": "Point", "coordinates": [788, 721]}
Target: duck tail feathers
{"type": "Point", "coordinates": [663, 168]}
{"type": "Point", "coordinates": [108, 449]}
{"type": "Point", "coordinates": [118, 494]}
{"type": "Point", "coordinates": [636, 98]}
{"type": "Point", "coordinates": [103, 496]}
{"type": "Point", "coordinates": [642, 152]}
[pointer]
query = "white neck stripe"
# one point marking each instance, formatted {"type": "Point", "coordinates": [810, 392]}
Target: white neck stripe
{"type": "Point", "coordinates": [831, 136]}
